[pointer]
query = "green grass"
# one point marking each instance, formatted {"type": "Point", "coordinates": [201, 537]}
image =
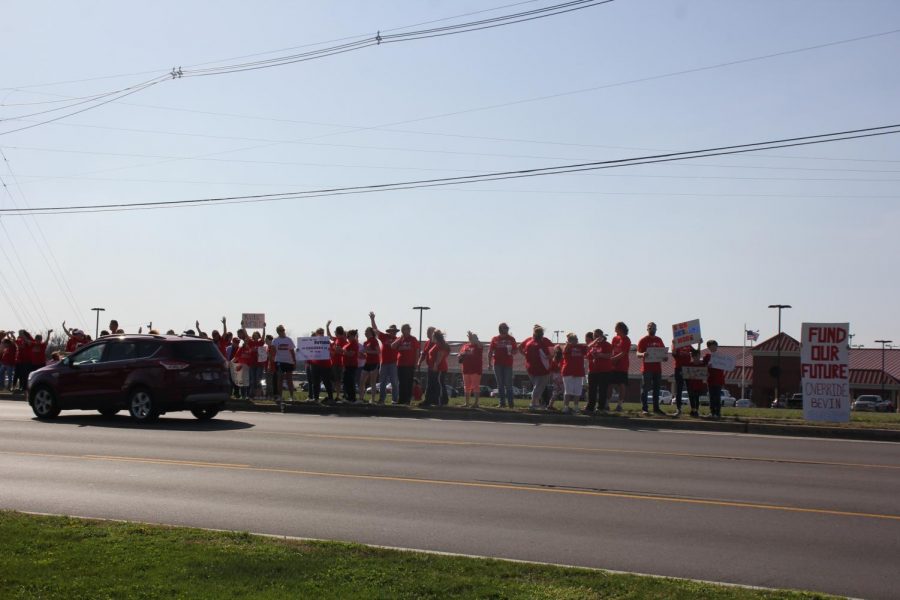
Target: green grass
{"type": "Point", "coordinates": [72, 559]}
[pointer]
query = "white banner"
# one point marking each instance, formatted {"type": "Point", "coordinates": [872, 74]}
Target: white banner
{"type": "Point", "coordinates": [253, 320]}
{"type": "Point", "coordinates": [695, 373]}
{"type": "Point", "coordinates": [722, 361]}
{"type": "Point", "coordinates": [825, 371]}
{"type": "Point", "coordinates": [313, 348]}
{"type": "Point", "coordinates": [686, 334]}
{"type": "Point", "coordinates": [656, 355]}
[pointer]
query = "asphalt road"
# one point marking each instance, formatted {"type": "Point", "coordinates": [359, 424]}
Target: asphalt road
{"type": "Point", "coordinates": [812, 514]}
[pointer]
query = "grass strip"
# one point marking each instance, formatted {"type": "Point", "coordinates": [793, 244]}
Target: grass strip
{"type": "Point", "coordinates": [60, 557]}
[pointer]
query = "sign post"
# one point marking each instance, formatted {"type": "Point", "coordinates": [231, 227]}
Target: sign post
{"type": "Point", "coordinates": [825, 371]}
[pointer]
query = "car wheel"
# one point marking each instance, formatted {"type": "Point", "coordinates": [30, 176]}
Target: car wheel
{"type": "Point", "coordinates": [108, 412]}
{"type": "Point", "coordinates": [204, 414]}
{"type": "Point", "coordinates": [141, 406]}
{"type": "Point", "coordinates": [44, 403]}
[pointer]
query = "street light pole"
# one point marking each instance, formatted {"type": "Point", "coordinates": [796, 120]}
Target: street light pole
{"type": "Point", "coordinates": [97, 326]}
{"type": "Point", "coordinates": [882, 342]}
{"type": "Point", "coordinates": [780, 307]}
{"type": "Point", "coordinates": [557, 332]}
{"type": "Point", "coordinates": [421, 310]}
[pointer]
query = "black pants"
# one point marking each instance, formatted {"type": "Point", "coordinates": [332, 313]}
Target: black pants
{"type": "Point", "coordinates": [715, 400]}
{"type": "Point", "coordinates": [350, 383]}
{"type": "Point", "coordinates": [405, 375]}
{"type": "Point", "coordinates": [679, 387]}
{"type": "Point", "coordinates": [319, 376]}
{"type": "Point", "coordinates": [694, 396]}
{"type": "Point", "coordinates": [651, 387]}
{"type": "Point", "coordinates": [434, 393]}
{"type": "Point", "coordinates": [598, 383]}
{"type": "Point", "coordinates": [20, 376]}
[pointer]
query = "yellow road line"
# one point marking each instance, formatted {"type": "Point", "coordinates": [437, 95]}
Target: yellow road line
{"type": "Point", "coordinates": [469, 484]}
{"type": "Point", "coordinates": [434, 442]}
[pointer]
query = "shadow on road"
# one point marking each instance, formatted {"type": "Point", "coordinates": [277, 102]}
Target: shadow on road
{"type": "Point", "coordinates": [164, 423]}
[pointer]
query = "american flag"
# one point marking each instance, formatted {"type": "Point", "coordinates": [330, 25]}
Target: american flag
{"type": "Point", "coordinates": [752, 335]}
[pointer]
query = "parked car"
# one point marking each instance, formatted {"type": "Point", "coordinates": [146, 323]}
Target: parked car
{"type": "Point", "coordinates": [147, 375]}
{"type": "Point", "coordinates": [484, 391]}
{"type": "Point", "coordinates": [727, 399]}
{"type": "Point", "coordinates": [517, 393]}
{"type": "Point", "coordinates": [743, 403]}
{"type": "Point", "coordinates": [665, 397]}
{"type": "Point", "coordinates": [872, 402]}
{"type": "Point", "coordinates": [793, 401]}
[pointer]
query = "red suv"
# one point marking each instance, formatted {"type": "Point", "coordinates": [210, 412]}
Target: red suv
{"type": "Point", "coordinates": [147, 375]}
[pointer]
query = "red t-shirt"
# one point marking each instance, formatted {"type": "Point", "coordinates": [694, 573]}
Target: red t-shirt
{"type": "Point", "coordinates": [23, 350]}
{"type": "Point", "coordinates": [246, 355]}
{"type": "Point", "coordinates": [433, 354]}
{"type": "Point", "coordinates": [388, 354]}
{"type": "Point", "coordinates": [222, 345]}
{"type": "Point", "coordinates": [426, 351]}
{"type": "Point", "coordinates": [556, 365]}
{"type": "Point", "coordinates": [372, 351]}
{"type": "Point", "coordinates": [254, 348]}
{"type": "Point", "coordinates": [596, 364]}
{"type": "Point", "coordinates": [621, 343]}
{"type": "Point", "coordinates": [537, 356]}
{"type": "Point", "coordinates": [406, 351]}
{"type": "Point", "coordinates": [351, 353]}
{"type": "Point", "coordinates": [502, 346]}
{"type": "Point", "coordinates": [270, 359]}
{"type": "Point", "coordinates": [650, 341]}
{"type": "Point", "coordinates": [682, 357]}
{"type": "Point", "coordinates": [38, 354]}
{"type": "Point", "coordinates": [573, 360]}
{"type": "Point", "coordinates": [8, 357]}
{"type": "Point", "coordinates": [337, 359]}
{"type": "Point", "coordinates": [470, 358]}
{"type": "Point", "coordinates": [715, 376]}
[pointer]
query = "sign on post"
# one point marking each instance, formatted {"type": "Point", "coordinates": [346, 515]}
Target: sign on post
{"type": "Point", "coordinates": [687, 333]}
{"type": "Point", "coordinates": [253, 320]}
{"type": "Point", "coordinates": [656, 355]}
{"type": "Point", "coordinates": [721, 361]}
{"type": "Point", "coordinates": [313, 348]}
{"type": "Point", "coordinates": [825, 371]}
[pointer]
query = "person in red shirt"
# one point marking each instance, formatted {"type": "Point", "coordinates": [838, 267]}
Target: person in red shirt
{"type": "Point", "coordinates": [37, 354]}
{"type": "Point", "coordinates": [338, 340]}
{"type": "Point", "coordinates": [599, 367]}
{"type": "Point", "coordinates": [471, 357]}
{"type": "Point", "coordinates": [368, 375]}
{"type": "Point", "coordinates": [537, 363]}
{"type": "Point", "coordinates": [259, 363]}
{"type": "Point", "coordinates": [500, 358]}
{"type": "Point", "coordinates": [556, 379]}
{"type": "Point", "coordinates": [23, 359]}
{"type": "Point", "coordinates": [349, 354]}
{"type": "Point", "coordinates": [682, 357]}
{"type": "Point", "coordinates": [695, 387]}
{"type": "Point", "coordinates": [270, 367]}
{"type": "Point", "coordinates": [320, 375]}
{"type": "Point", "coordinates": [7, 363]}
{"type": "Point", "coordinates": [245, 359]}
{"type": "Point", "coordinates": [388, 375]}
{"type": "Point", "coordinates": [407, 348]}
{"type": "Point", "coordinates": [438, 353]}
{"type": "Point", "coordinates": [574, 355]}
{"type": "Point", "coordinates": [715, 381]}
{"type": "Point", "coordinates": [621, 346]}
{"type": "Point", "coordinates": [650, 369]}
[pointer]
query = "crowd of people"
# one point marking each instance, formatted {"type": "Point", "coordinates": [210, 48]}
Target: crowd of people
{"type": "Point", "coordinates": [386, 361]}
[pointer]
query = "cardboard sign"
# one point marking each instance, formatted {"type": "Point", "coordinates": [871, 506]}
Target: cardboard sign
{"type": "Point", "coordinates": [262, 354]}
{"type": "Point", "coordinates": [722, 361]}
{"type": "Point", "coordinates": [686, 334]}
{"type": "Point", "coordinates": [656, 355]}
{"type": "Point", "coordinates": [313, 348]}
{"type": "Point", "coordinates": [241, 376]}
{"type": "Point", "coordinates": [825, 371]}
{"type": "Point", "coordinates": [253, 320]}
{"type": "Point", "coordinates": [695, 373]}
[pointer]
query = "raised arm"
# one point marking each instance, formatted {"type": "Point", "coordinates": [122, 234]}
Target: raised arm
{"type": "Point", "coordinates": [374, 326]}
{"type": "Point", "coordinates": [199, 331]}
{"type": "Point", "coordinates": [328, 329]}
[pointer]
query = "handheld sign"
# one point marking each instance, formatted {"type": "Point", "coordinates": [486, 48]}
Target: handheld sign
{"type": "Point", "coordinates": [253, 320]}
{"type": "Point", "coordinates": [313, 348]}
{"type": "Point", "coordinates": [656, 355]}
{"type": "Point", "coordinates": [695, 372]}
{"type": "Point", "coordinates": [722, 361]}
{"type": "Point", "coordinates": [687, 333]}
{"type": "Point", "coordinates": [825, 371]}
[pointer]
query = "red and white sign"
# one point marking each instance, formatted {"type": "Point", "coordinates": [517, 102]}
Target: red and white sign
{"type": "Point", "coordinates": [687, 333]}
{"type": "Point", "coordinates": [825, 371]}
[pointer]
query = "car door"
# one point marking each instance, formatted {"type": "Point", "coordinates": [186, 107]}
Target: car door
{"type": "Point", "coordinates": [77, 382]}
{"type": "Point", "coordinates": [114, 368]}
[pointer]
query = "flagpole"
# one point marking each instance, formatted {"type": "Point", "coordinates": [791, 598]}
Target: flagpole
{"type": "Point", "coordinates": [743, 358]}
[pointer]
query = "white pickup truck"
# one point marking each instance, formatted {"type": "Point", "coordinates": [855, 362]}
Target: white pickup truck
{"type": "Point", "coordinates": [727, 399]}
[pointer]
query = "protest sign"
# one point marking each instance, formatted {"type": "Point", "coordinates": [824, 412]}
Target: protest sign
{"type": "Point", "coordinates": [313, 348]}
{"type": "Point", "coordinates": [687, 333]}
{"type": "Point", "coordinates": [725, 362]}
{"type": "Point", "coordinates": [253, 320]}
{"type": "Point", "coordinates": [656, 355]}
{"type": "Point", "coordinates": [825, 371]}
{"type": "Point", "coordinates": [694, 373]}
{"type": "Point", "coordinates": [239, 374]}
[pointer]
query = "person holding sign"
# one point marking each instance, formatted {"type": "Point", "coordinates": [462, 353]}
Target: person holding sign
{"type": "Point", "coordinates": [651, 368]}
{"type": "Point", "coordinates": [337, 360]}
{"type": "Point", "coordinates": [599, 367]}
{"type": "Point", "coordinates": [349, 354]}
{"type": "Point", "coordinates": [621, 346]}
{"type": "Point", "coordinates": [695, 385]}
{"type": "Point", "coordinates": [320, 373]}
{"type": "Point", "coordinates": [285, 360]}
{"type": "Point", "coordinates": [715, 380]}
{"type": "Point", "coordinates": [682, 358]}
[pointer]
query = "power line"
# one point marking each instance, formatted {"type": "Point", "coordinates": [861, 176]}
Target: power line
{"type": "Point", "coordinates": [495, 176]}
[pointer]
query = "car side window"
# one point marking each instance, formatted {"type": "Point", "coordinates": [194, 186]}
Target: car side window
{"type": "Point", "coordinates": [121, 351]}
{"type": "Point", "coordinates": [89, 355]}
{"type": "Point", "coordinates": [146, 348]}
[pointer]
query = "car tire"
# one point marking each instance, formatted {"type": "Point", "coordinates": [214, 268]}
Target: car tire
{"type": "Point", "coordinates": [205, 414]}
{"type": "Point", "coordinates": [44, 403]}
{"type": "Point", "coordinates": [108, 412]}
{"type": "Point", "coordinates": [141, 405]}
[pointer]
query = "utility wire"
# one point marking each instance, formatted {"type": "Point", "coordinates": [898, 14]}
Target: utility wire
{"type": "Point", "coordinates": [495, 176]}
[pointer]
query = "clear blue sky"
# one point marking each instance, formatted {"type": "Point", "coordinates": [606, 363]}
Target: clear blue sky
{"type": "Point", "coordinates": [716, 238]}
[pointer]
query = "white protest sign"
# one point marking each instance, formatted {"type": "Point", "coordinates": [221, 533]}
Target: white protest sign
{"type": "Point", "coordinates": [262, 353]}
{"type": "Point", "coordinates": [824, 371]}
{"type": "Point", "coordinates": [721, 361]}
{"type": "Point", "coordinates": [655, 355]}
{"type": "Point", "coordinates": [239, 374]}
{"type": "Point", "coordinates": [694, 372]}
{"type": "Point", "coordinates": [253, 320]}
{"type": "Point", "coordinates": [313, 348]}
{"type": "Point", "coordinates": [686, 334]}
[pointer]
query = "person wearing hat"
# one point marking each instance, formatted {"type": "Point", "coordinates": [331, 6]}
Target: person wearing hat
{"type": "Point", "coordinates": [389, 373]}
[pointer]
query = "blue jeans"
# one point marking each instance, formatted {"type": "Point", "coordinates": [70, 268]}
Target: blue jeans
{"type": "Point", "coordinates": [539, 382]}
{"type": "Point", "coordinates": [6, 375]}
{"type": "Point", "coordinates": [388, 375]}
{"type": "Point", "coordinates": [504, 377]}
